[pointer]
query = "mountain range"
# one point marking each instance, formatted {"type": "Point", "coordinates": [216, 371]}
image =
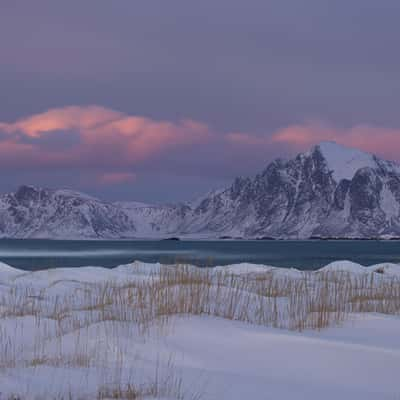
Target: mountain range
{"type": "Point", "coordinates": [329, 191]}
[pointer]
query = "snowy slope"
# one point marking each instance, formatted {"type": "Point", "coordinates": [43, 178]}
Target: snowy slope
{"type": "Point", "coordinates": [65, 333]}
{"type": "Point", "coordinates": [343, 161]}
{"type": "Point", "coordinates": [131, 205]}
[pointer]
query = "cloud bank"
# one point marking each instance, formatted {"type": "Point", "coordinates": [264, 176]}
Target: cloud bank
{"type": "Point", "coordinates": [118, 147]}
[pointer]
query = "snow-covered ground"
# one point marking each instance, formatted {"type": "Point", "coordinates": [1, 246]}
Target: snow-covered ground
{"type": "Point", "coordinates": [238, 332]}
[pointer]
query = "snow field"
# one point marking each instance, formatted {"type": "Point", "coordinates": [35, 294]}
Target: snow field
{"type": "Point", "coordinates": [181, 332]}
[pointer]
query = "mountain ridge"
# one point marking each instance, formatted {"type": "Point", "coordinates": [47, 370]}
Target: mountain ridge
{"type": "Point", "coordinates": [328, 191]}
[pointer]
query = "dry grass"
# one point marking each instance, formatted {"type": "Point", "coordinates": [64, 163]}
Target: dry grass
{"type": "Point", "coordinates": [311, 300]}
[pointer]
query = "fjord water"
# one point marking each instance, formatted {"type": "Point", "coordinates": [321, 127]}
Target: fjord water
{"type": "Point", "coordinates": [42, 254]}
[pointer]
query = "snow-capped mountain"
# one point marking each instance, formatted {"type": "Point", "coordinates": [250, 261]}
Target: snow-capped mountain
{"type": "Point", "coordinates": [44, 213]}
{"type": "Point", "coordinates": [329, 191]}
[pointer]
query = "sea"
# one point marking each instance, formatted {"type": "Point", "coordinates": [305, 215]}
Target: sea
{"type": "Point", "coordinates": [39, 254]}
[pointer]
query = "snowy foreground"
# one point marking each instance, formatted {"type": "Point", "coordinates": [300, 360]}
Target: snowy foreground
{"type": "Point", "coordinates": [179, 332]}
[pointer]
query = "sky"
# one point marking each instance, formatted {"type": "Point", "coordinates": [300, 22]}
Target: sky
{"type": "Point", "coordinates": [161, 101]}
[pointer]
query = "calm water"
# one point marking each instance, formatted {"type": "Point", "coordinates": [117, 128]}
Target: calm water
{"type": "Point", "coordinates": [40, 254]}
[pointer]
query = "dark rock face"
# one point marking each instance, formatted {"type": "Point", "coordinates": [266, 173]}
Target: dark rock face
{"type": "Point", "coordinates": [331, 191]}
{"type": "Point", "coordinates": [365, 194]}
{"type": "Point", "coordinates": [341, 193]}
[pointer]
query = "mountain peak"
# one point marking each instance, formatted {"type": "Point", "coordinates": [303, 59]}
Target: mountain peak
{"type": "Point", "coordinates": [74, 193]}
{"type": "Point", "coordinates": [330, 146]}
{"type": "Point", "coordinates": [23, 188]}
{"type": "Point", "coordinates": [344, 161]}
{"type": "Point", "coordinates": [26, 192]}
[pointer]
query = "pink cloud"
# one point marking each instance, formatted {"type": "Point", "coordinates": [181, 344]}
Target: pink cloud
{"type": "Point", "coordinates": [66, 118]}
{"type": "Point", "coordinates": [106, 137]}
{"type": "Point", "coordinates": [107, 140]}
{"type": "Point", "coordinates": [382, 141]}
{"type": "Point", "coordinates": [300, 137]}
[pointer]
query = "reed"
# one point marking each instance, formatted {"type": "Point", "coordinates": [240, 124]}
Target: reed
{"type": "Point", "coordinates": [39, 329]}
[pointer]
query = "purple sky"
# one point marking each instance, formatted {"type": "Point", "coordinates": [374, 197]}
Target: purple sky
{"type": "Point", "coordinates": [161, 100]}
